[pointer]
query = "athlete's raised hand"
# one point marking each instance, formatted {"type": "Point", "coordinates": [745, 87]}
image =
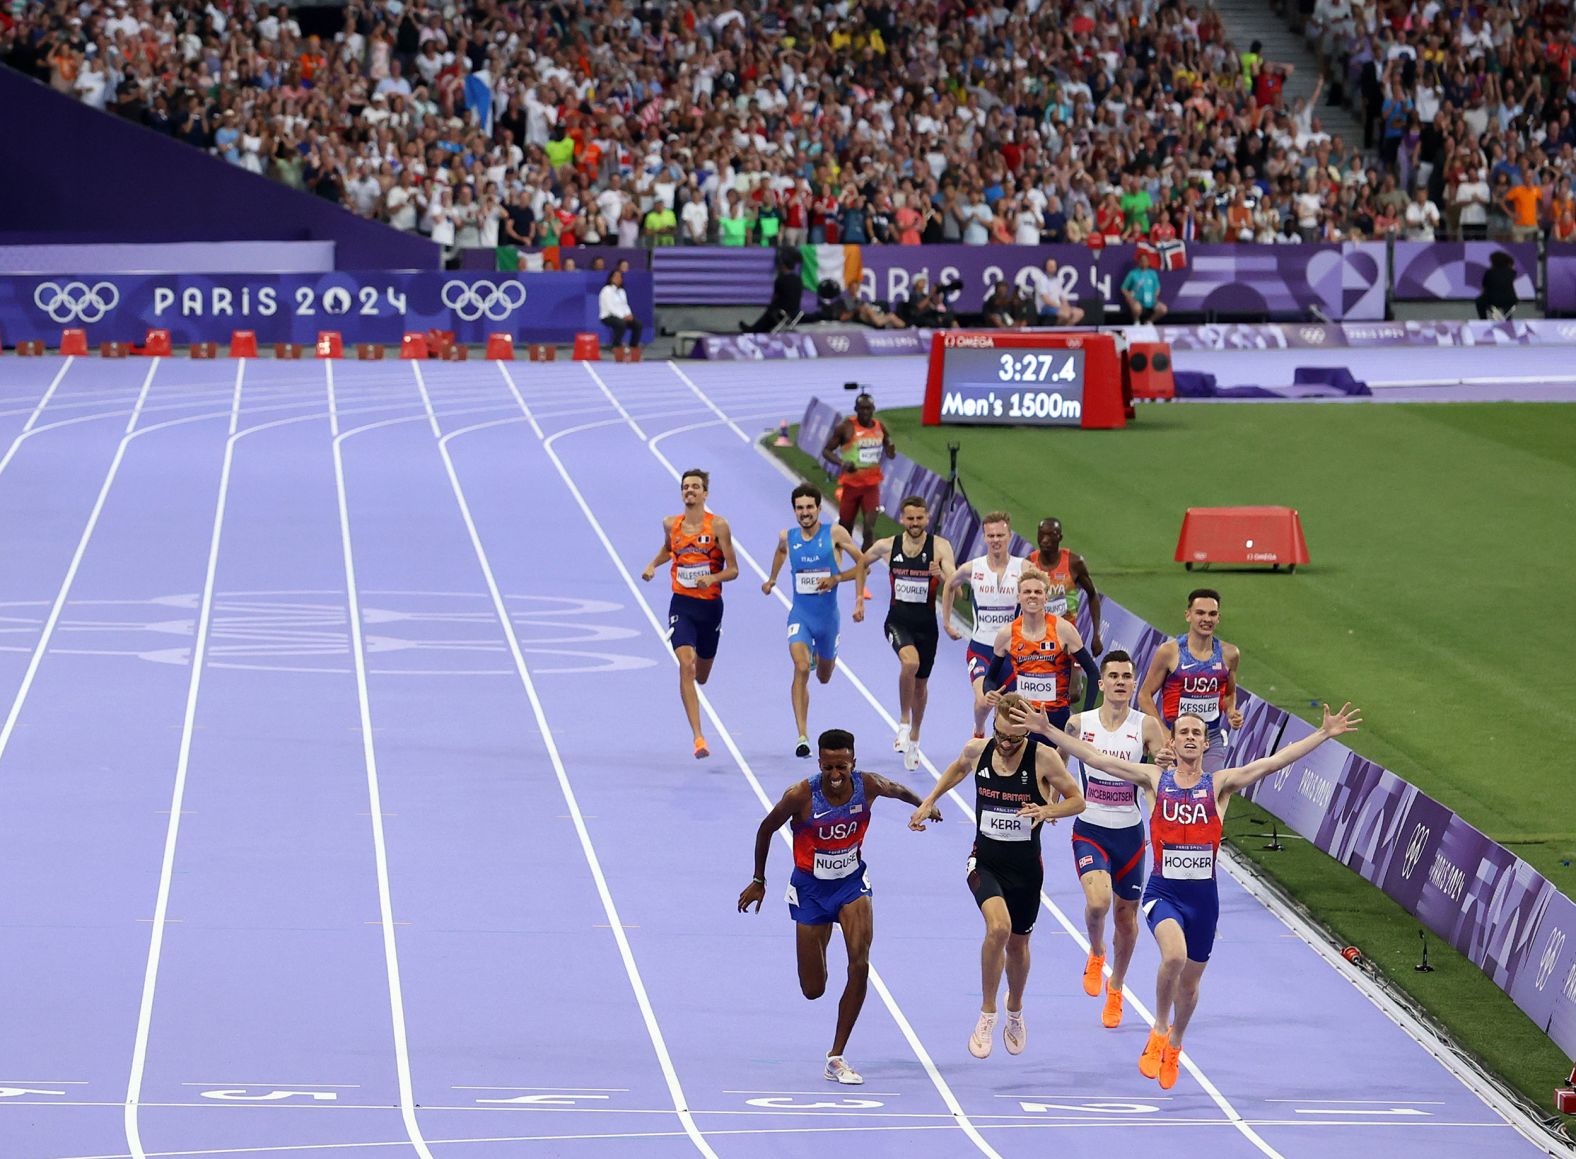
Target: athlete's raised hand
{"type": "Point", "coordinates": [753, 894]}
{"type": "Point", "coordinates": [1347, 720]}
{"type": "Point", "coordinates": [921, 815]}
{"type": "Point", "coordinates": [1167, 756]}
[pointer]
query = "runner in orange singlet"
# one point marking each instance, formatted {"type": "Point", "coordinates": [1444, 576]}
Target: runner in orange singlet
{"type": "Point", "coordinates": [700, 545]}
{"type": "Point", "coordinates": [856, 446]}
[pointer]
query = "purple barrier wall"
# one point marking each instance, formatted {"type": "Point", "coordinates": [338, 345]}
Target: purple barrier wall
{"type": "Point", "coordinates": [58, 156]}
{"type": "Point", "coordinates": [1560, 286]}
{"type": "Point", "coordinates": [191, 257]}
{"type": "Point", "coordinates": [714, 275]}
{"type": "Point", "coordinates": [1490, 905]}
{"type": "Point", "coordinates": [1452, 271]}
{"type": "Point", "coordinates": [363, 307]}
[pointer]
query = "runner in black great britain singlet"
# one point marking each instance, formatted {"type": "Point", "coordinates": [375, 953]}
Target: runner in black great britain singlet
{"type": "Point", "coordinates": [1015, 779]}
{"type": "Point", "coordinates": [920, 563]}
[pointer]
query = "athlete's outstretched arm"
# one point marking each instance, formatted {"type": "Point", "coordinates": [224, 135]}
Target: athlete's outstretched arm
{"type": "Point", "coordinates": [1160, 666]}
{"type": "Point", "coordinates": [1335, 723]}
{"type": "Point", "coordinates": [665, 554]}
{"type": "Point", "coordinates": [951, 777]}
{"type": "Point", "coordinates": [730, 562]}
{"type": "Point", "coordinates": [878, 550]}
{"type": "Point", "coordinates": [1039, 722]}
{"type": "Point", "coordinates": [880, 786]}
{"type": "Point", "coordinates": [1231, 654]}
{"type": "Point", "coordinates": [843, 542]}
{"type": "Point", "coordinates": [792, 805]}
{"type": "Point", "coordinates": [1082, 578]}
{"type": "Point", "coordinates": [1057, 786]}
{"type": "Point", "coordinates": [779, 557]}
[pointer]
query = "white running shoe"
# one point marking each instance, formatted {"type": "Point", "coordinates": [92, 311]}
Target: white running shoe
{"type": "Point", "coordinates": [911, 755]}
{"type": "Point", "coordinates": [983, 1037]}
{"type": "Point", "coordinates": [1014, 1034]}
{"type": "Point", "coordinates": [900, 742]}
{"type": "Point", "coordinates": [838, 1071]}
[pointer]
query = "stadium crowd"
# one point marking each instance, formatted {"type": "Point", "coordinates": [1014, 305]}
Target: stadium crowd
{"type": "Point", "coordinates": [862, 121]}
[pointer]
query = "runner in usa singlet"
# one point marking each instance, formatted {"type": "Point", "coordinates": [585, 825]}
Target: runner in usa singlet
{"type": "Point", "coordinates": [1184, 834]}
{"type": "Point", "coordinates": [1196, 686]}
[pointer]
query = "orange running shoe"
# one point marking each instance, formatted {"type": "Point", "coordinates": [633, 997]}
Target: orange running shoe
{"type": "Point", "coordinates": [1170, 1062]}
{"type": "Point", "coordinates": [1149, 1061]}
{"type": "Point", "coordinates": [1111, 1016]}
{"type": "Point", "coordinates": [1092, 970]}
{"type": "Point", "coordinates": [701, 751]}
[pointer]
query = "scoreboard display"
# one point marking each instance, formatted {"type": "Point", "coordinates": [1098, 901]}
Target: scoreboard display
{"type": "Point", "coordinates": [1050, 379]}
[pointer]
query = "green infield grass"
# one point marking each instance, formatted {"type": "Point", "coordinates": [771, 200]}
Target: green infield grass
{"type": "Point", "coordinates": [1437, 599]}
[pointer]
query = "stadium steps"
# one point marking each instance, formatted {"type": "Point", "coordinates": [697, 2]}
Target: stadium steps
{"type": "Point", "coordinates": [1250, 20]}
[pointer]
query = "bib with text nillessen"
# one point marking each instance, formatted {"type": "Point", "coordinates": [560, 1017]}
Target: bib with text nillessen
{"type": "Point", "coordinates": [1005, 824]}
{"type": "Point", "coordinates": [689, 574]}
{"type": "Point", "coordinates": [1187, 862]}
{"type": "Point", "coordinates": [911, 591]}
{"type": "Point", "coordinates": [808, 582]}
{"type": "Point", "coordinates": [832, 864]}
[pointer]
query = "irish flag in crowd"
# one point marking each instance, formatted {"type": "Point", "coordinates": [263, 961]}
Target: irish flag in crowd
{"type": "Point", "coordinates": [840, 264]}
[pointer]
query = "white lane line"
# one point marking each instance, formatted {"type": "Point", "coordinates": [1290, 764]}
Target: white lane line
{"type": "Point", "coordinates": [1078, 935]}
{"type": "Point", "coordinates": [610, 908]}
{"type": "Point", "coordinates": [161, 907]}
{"type": "Point", "coordinates": [407, 1098]}
{"type": "Point", "coordinates": [48, 631]}
{"type": "Point", "coordinates": [32, 419]}
{"type": "Point", "coordinates": [876, 980]}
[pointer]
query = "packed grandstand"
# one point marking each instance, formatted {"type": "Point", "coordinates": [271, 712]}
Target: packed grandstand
{"type": "Point", "coordinates": [488, 123]}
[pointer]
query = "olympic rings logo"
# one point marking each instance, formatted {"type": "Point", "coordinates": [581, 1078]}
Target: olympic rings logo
{"type": "Point", "coordinates": [472, 301]}
{"type": "Point", "coordinates": [1551, 955]}
{"type": "Point", "coordinates": [76, 301]}
{"type": "Point", "coordinates": [1414, 850]}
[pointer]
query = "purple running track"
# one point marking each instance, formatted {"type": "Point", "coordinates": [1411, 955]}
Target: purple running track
{"type": "Point", "coordinates": [414, 859]}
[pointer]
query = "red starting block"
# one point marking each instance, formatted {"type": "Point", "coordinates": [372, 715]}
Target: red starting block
{"type": "Point", "coordinates": [156, 344]}
{"type": "Point", "coordinates": [413, 345]}
{"type": "Point", "coordinates": [500, 347]}
{"type": "Point", "coordinates": [330, 344]}
{"type": "Point", "coordinates": [626, 354]}
{"type": "Point", "coordinates": [287, 350]}
{"type": "Point", "coordinates": [32, 348]}
{"type": "Point", "coordinates": [243, 344]}
{"type": "Point", "coordinates": [1271, 535]}
{"type": "Point", "coordinates": [114, 349]}
{"type": "Point", "coordinates": [1565, 1100]}
{"type": "Point", "coordinates": [369, 351]}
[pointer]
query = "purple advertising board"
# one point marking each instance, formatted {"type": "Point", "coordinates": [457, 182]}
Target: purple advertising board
{"type": "Point", "coordinates": [363, 307]}
{"type": "Point", "coordinates": [1559, 285]}
{"type": "Point", "coordinates": [1452, 271]}
{"type": "Point", "coordinates": [1341, 281]}
{"type": "Point", "coordinates": [1497, 910]}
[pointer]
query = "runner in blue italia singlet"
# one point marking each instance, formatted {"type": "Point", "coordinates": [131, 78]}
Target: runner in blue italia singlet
{"type": "Point", "coordinates": [810, 550]}
{"type": "Point", "coordinates": [829, 813]}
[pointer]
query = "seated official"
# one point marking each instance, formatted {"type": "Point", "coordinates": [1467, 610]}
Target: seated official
{"type": "Point", "coordinates": [613, 307]}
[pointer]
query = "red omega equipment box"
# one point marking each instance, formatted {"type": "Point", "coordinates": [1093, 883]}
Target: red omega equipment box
{"type": "Point", "coordinates": [1271, 535]}
{"type": "Point", "coordinates": [1039, 379]}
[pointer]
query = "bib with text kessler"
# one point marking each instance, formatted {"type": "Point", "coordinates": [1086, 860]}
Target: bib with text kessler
{"type": "Point", "coordinates": [833, 864]}
{"type": "Point", "coordinates": [690, 573]}
{"type": "Point", "coordinates": [1039, 688]}
{"type": "Point", "coordinates": [1187, 862]}
{"type": "Point", "coordinates": [911, 591]}
{"type": "Point", "coordinates": [808, 582]}
{"type": "Point", "coordinates": [1205, 708]}
{"type": "Point", "coordinates": [1005, 825]}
